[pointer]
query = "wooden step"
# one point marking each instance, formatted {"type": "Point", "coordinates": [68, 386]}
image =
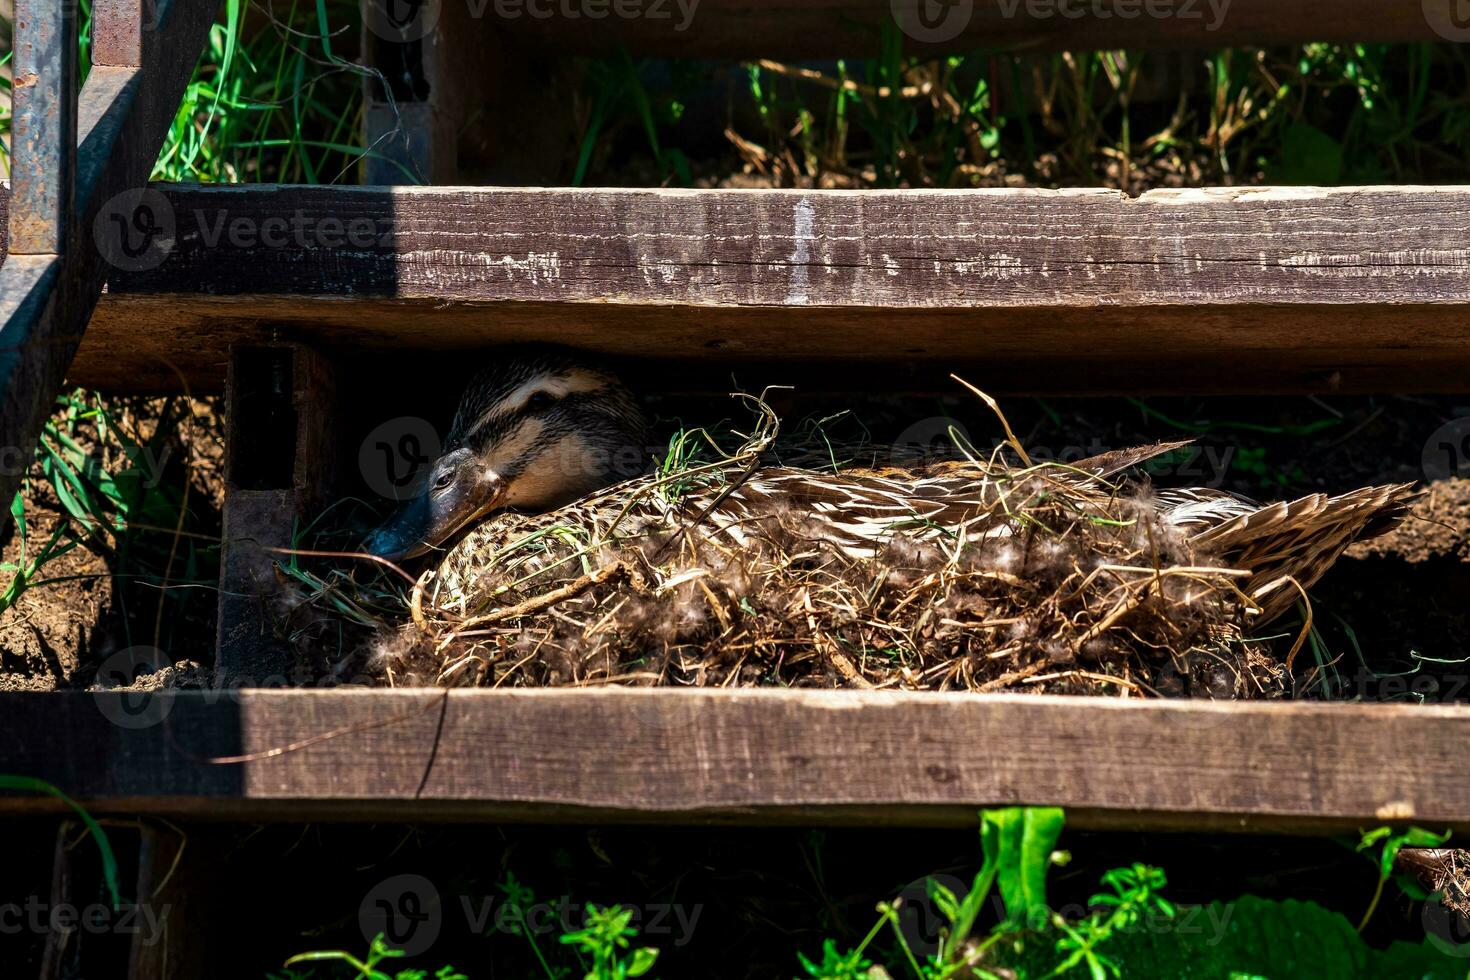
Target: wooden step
{"type": "Point", "coordinates": [739, 756]}
{"type": "Point", "coordinates": [1240, 290]}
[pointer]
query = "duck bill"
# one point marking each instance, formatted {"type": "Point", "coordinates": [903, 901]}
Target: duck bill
{"type": "Point", "coordinates": [430, 519]}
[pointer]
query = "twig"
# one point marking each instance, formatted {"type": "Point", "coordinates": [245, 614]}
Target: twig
{"type": "Point", "coordinates": [994, 406]}
{"type": "Point", "coordinates": [1007, 679]}
{"type": "Point", "coordinates": [1107, 622]}
{"type": "Point", "coordinates": [1306, 626]}
{"type": "Point", "coordinates": [541, 603]}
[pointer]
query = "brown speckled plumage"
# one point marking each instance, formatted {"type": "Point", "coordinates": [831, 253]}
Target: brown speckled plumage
{"type": "Point", "coordinates": [860, 514]}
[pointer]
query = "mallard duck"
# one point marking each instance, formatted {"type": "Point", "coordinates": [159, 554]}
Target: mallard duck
{"type": "Point", "coordinates": [541, 429]}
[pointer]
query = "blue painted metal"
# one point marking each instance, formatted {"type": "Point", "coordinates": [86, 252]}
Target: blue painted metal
{"type": "Point", "coordinates": [43, 126]}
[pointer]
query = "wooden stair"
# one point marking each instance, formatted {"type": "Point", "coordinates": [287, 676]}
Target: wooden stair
{"type": "Point", "coordinates": [1250, 290]}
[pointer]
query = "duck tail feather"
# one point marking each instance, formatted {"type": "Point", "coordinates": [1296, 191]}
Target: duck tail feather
{"type": "Point", "coordinates": [1301, 539]}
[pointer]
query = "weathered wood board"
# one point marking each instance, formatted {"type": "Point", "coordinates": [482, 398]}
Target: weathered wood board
{"type": "Point", "coordinates": [747, 756]}
{"type": "Point", "coordinates": [1253, 290]}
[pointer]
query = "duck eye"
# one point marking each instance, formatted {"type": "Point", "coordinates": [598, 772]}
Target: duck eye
{"type": "Point", "coordinates": [443, 480]}
{"type": "Point", "coordinates": [538, 401]}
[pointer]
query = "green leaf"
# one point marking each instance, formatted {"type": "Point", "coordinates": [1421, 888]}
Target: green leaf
{"type": "Point", "coordinates": [29, 784]}
{"type": "Point", "coordinates": [1026, 837]}
{"type": "Point", "coordinates": [642, 961]}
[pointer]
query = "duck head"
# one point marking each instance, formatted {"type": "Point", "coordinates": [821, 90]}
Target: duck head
{"type": "Point", "coordinates": [536, 429]}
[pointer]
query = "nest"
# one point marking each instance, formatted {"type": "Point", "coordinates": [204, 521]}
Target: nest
{"type": "Point", "coordinates": [1057, 584]}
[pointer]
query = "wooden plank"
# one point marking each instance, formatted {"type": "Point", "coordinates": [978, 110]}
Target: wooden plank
{"type": "Point", "coordinates": [831, 28]}
{"type": "Point", "coordinates": [281, 455]}
{"type": "Point", "coordinates": [1288, 289]}
{"type": "Point", "coordinates": [745, 756]}
{"type": "Point", "coordinates": [460, 104]}
{"type": "Point", "coordinates": [161, 881]}
{"type": "Point", "coordinates": [419, 89]}
{"type": "Point", "coordinates": [177, 876]}
{"type": "Point", "coordinates": [121, 116]}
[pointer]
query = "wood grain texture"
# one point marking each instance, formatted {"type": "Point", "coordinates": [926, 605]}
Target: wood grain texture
{"type": "Point", "coordinates": [747, 756]}
{"type": "Point", "coordinates": [1230, 290]}
{"type": "Point", "coordinates": [828, 28]}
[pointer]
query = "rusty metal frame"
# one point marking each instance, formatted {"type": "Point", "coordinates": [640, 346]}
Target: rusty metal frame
{"type": "Point", "coordinates": [43, 126]}
{"type": "Point", "coordinates": [75, 155]}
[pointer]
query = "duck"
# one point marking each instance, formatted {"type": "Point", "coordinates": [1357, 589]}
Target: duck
{"type": "Point", "coordinates": [551, 432]}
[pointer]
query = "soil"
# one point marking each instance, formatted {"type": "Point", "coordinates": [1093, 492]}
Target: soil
{"type": "Point", "coordinates": [54, 628]}
{"type": "Point", "coordinates": [145, 587]}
